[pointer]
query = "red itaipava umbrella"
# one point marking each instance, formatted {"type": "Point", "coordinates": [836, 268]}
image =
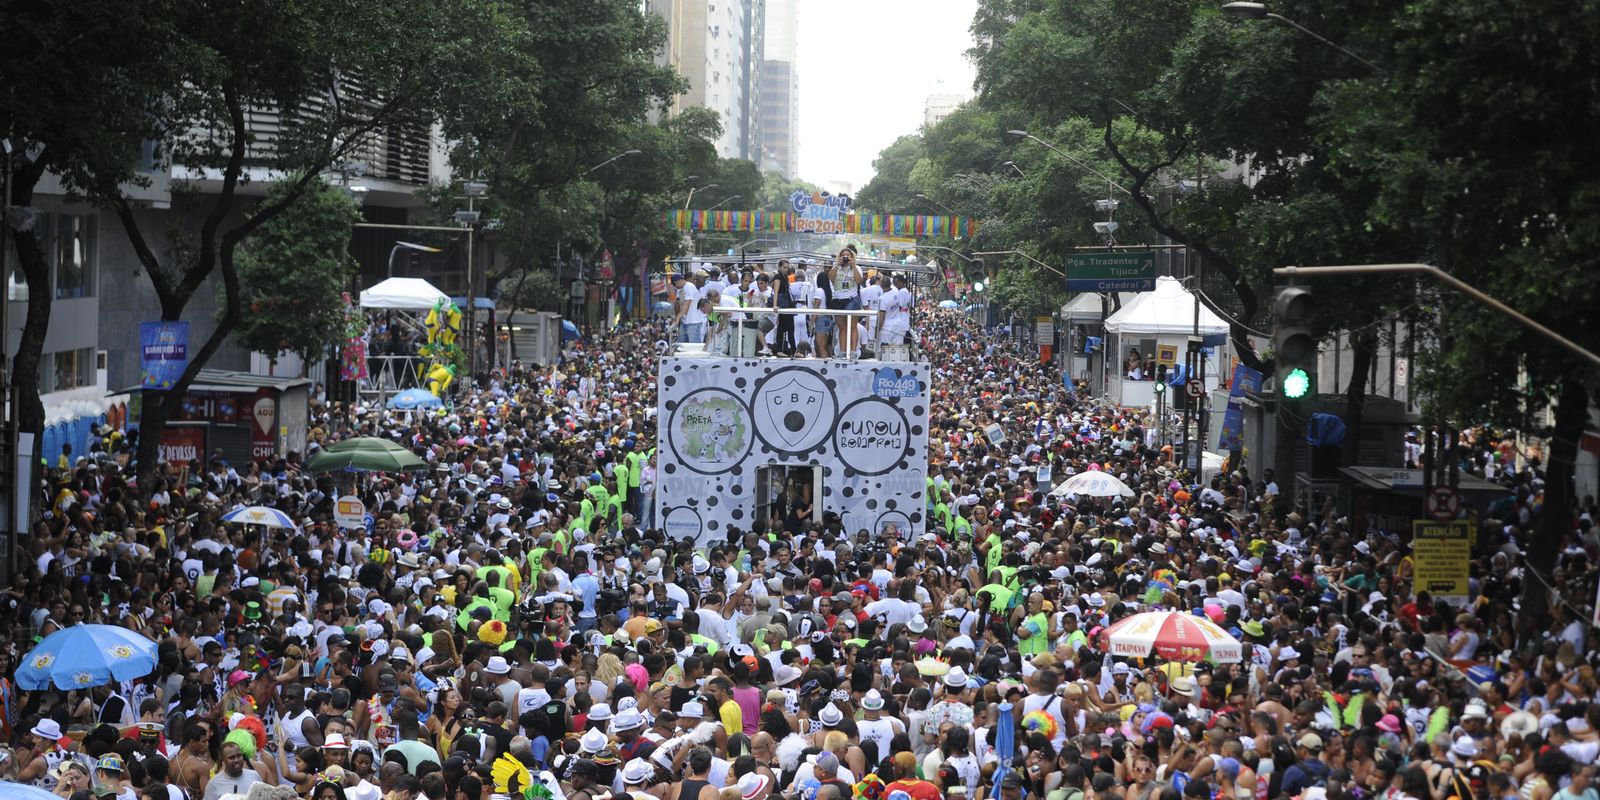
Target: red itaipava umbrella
{"type": "Point", "coordinates": [1171, 635]}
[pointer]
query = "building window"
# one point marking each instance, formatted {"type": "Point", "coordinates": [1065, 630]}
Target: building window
{"type": "Point", "coordinates": [70, 369]}
{"type": "Point", "coordinates": [74, 251]}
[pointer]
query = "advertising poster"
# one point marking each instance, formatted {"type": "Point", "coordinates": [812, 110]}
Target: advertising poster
{"type": "Point", "coordinates": [163, 353]}
{"type": "Point", "coordinates": [181, 444]}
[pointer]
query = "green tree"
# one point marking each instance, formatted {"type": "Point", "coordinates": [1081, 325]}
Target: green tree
{"type": "Point", "coordinates": [890, 190]}
{"type": "Point", "coordinates": [293, 272]}
{"type": "Point", "coordinates": [576, 88]}
{"type": "Point", "coordinates": [337, 73]}
{"type": "Point", "coordinates": [776, 189]}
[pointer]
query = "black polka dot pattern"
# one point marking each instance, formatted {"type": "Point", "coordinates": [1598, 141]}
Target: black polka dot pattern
{"type": "Point", "coordinates": [864, 424]}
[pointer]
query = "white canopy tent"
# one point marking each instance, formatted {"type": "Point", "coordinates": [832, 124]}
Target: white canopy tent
{"type": "Point", "coordinates": [402, 294]}
{"type": "Point", "coordinates": [1154, 321]}
{"type": "Point", "coordinates": [1167, 310]}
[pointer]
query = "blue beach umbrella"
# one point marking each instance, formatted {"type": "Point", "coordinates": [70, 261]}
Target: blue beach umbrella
{"type": "Point", "coordinates": [86, 655]}
{"type": "Point", "coordinates": [414, 398]}
{"type": "Point", "coordinates": [259, 515]}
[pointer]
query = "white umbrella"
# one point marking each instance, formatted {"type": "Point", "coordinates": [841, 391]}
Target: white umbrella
{"type": "Point", "coordinates": [259, 515]}
{"type": "Point", "coordinates": [1094, 483]}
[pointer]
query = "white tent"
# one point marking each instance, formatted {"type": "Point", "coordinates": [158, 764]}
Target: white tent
{"type": "Point", "coordinates": [1085, 306]}
{"type": "Point", "coordinates": [1167, 310]}
{"type": "Point", "coordinates": [405, 294]}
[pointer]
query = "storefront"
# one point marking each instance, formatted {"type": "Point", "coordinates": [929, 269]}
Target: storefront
{"type": "Point", "coordinates": [244, 416]}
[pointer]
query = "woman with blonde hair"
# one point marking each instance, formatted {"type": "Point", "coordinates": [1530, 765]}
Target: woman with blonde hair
{"type": "Point", "coordinates": [607, 670]}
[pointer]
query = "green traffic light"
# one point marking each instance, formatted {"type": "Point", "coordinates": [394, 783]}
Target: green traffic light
{"type": "Point", "coordinates": [1296, 384]}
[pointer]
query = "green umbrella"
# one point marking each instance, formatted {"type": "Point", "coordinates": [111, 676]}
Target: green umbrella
{"type": "Point", "coordinates": [365, 453]}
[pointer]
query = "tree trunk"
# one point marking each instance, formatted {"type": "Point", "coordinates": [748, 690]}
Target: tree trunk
{"type": "Point", "coordinates": [1364, 348]}
{"type": "Point", "coordinates": [30, 348]}
{"type": "Point", "coordinates": [1555, 519]}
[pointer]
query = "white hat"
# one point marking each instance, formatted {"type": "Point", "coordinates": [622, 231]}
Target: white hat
{"type": "Point", "coordinates": [627, 720]}
{"type": "Point", "coordinates": [830, 715]}
{"type": "Point", "coordinates": [47, 729]}
{"type": "Point", "coordinates": [1183, 685]}
{"type": "Point", "coordinates": [636, 772]}
{"type": "Point", "coordinates": [1464, 747]}
{"type": "Point", "coordinates": [593, 741]}
{"type": "Point", "coordinates": [1475, 710]}
{"type": "Point", "coordinates": [956, 678]}
{"type": "Point", "coordinates": [599, 712]}
{"type": "Point", "coordinates": [1120, 668]}
{"type": "Point", "coordinates": [753, 784]}
{"type": "Point", "coordinates": [335, 741]}
{"type": "Point", "coordinates": [497, 666]}
{"type": "Point", "coordinates": [701, 565]}
{"type": "Point", "coordinates": [785, 674]}
{"type": "Point", "coordinates": [872, 701]}
{"type": "Point", "coordinates": [692, 709]}
{"type": "Point", "coordinates": [1286, 653]}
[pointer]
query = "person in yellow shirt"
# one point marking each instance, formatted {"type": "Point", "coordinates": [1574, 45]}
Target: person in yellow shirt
{"type": "Point", "coordinates": [721, 693]}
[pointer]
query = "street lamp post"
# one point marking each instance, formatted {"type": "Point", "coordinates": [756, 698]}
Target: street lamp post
{"type": "Point", "coordinates": [1024, 255]}
{"type": "Point", "coordinates": [1068, 156]}
{"type": "Point", "coordinates": [1250, 11]}
{"type": "Point", "coordinates": [724, 202]}
{"type": "Point", "coordinates": [1453, 282]}
{"type": "Point", "coordinates": [620, 155]}
{"type": "Point", "coordinates": [693, 189]}
{"type": "Point", "coordinates": [398, 246]}
{"type": "Point", "coordinates": [936, 204]}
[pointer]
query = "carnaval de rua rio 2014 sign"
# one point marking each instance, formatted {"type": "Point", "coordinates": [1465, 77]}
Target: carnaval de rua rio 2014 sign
{"type": "Point", "coordinates": [823, 220]}
{"type": "Point", "coordinates": [818, 212]}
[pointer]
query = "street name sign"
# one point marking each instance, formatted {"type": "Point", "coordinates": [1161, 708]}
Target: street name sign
{"type": "Point", "coordinates": [1111, 272]}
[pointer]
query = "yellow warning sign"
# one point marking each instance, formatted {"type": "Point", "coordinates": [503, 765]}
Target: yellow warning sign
{"type": "Point", "coordinates": [1441, 553]}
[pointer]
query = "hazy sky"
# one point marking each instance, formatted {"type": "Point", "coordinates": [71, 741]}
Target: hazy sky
{"type": "Point", "coordinates": [873, 62]}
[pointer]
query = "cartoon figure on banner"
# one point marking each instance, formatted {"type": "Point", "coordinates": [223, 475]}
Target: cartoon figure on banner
{"type": "Point", "coordinates": [443, 327]}
{"type": "Point", "coordinates": [353, 357]}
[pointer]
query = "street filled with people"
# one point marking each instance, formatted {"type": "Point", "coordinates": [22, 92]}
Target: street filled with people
{"type": "Point", "coordinates": [512, 622]}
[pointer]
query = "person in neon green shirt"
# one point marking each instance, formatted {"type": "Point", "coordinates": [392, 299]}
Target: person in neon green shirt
{"type": "Point", "coordinates": [1033, 635]}
{"type": "Point", "coordinates": [960, 528]}
{"type": "Point", "coordinates": [999, 597]}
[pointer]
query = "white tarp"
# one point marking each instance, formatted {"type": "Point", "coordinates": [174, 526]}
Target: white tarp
{"type": "Point", "coordinates": [1167, 310]}
{"type": "Point", "coordinates": [1086, 306]}
{"type": "Point", "coordinates": [404, 294]}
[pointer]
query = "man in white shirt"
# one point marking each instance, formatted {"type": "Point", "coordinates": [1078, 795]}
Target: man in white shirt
{"type": "Point", "coordinates": [800, 288]}
{"type": "Point", "coordinates": [895, 312]}
{"type": "Point", "coordinates": [870, 294]}
{"type": "Point", "coordinates": [687, 317]}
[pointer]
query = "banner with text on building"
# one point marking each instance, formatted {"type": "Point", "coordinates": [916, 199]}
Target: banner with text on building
{"type": "Point", "coordinates": [905, 225]}
{"type": "Point", "coordinates": [163, 353]}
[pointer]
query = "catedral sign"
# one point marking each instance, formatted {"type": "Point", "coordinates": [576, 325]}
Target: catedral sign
{"type": "Point", "coordinates": [819, 213]}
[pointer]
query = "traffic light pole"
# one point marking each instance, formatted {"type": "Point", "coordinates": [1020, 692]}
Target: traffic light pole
{"type": "Point", "coordinates": [1448, 280]}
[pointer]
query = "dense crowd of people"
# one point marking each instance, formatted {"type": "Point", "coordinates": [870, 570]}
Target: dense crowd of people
{"type": "Point", "coordinates": [514, 624]}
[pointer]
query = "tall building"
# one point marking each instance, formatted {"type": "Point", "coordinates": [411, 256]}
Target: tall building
{"type": "Point", "coordinates": [718, 46]}
{"type": "Point", "coordinates": [939, 106]}
{"type": "Point", "coordinates": [780, 90]}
